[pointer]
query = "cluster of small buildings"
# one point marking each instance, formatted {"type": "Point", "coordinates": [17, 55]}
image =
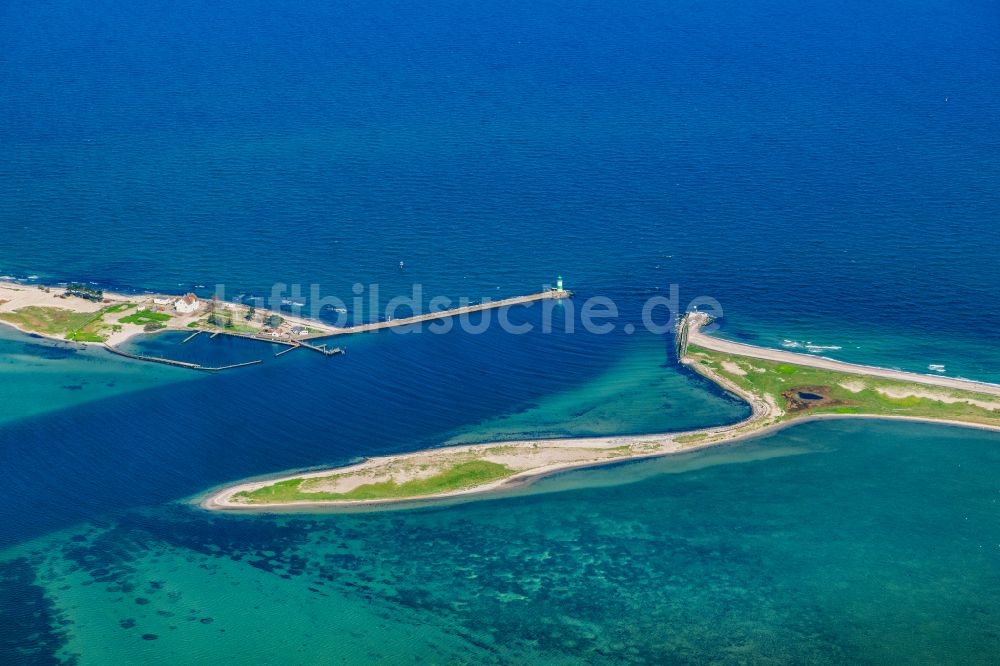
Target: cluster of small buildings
{"type": "Point", "coordinates": [284, 330]}
{"type": "Point", "coordinates": [189, 304]}
{"type": "Point", "coordinates": [186, 304]}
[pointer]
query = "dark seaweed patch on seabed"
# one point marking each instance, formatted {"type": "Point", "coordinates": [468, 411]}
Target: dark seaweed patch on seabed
{"type": "Point", "coordinates": [30, 625]}
{"type": "Point", "coordinates": [499, 589]}
{"type": "Point", "coordinates": [48, 350]}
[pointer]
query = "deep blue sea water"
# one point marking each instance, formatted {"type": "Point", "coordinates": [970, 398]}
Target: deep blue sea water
{"type": "Point", "coordinates": [830, 175]}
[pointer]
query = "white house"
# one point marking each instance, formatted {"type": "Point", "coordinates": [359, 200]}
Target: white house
{"type": "Point", "coordinates": [162, 301]}
{"type": "Point", "coordinates": [186, 305]}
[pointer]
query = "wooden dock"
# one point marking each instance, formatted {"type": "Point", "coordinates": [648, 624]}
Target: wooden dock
{"type": "Point", "coordinates": [553, 294]}
{"type": "Point", "coordinates": [322, 349]}
{"type": "Point", "coordinates": [259, 338]}
{"type": "Point", "coordinates": [291, 344]}
{"type": "Point", "coordinates": [285, 351]}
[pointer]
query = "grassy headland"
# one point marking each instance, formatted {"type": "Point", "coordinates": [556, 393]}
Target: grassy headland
{"type": "Point", "coordinates": [831, 392]}
{"type": "Point", "coordinates": [59, 322]}
{"type": "Point", "coordinates": [50, 321]}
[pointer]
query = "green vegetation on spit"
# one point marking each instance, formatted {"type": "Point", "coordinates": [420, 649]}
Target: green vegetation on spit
{"type": "Point", "coordinates": [145, 317]}
{"type": "Point", "coordinates": [458, 477]}
{"type": "Point", "coordinates": [86, 336]}
{"type": "Point", "coordinates": [76, 326]}
{"type": "Point", "coordinates": [85, 292]}
{"type": "Point", "coordinates": [51, 321]}
{"type": "Point", "coordinates": [236, 327]}
{"type": "Point", "coordinates": [832, 392]}
{"type": "Point", "coordinates": [226, 322]}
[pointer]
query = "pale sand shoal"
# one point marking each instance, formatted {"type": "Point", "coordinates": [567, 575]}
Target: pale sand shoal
{"type": "Point", "coordinates": [221, 500]}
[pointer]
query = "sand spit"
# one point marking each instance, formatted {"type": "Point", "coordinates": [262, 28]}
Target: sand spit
{"type": "Point", "coordinates": [531, 459]}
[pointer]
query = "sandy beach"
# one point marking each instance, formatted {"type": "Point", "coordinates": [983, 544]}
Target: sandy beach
{"type": "Point", "coordinates": [697, 337]}
{"type": "Point", "coordinates": [221, 500]}
{"type": "Point", "coordinates": [532, 459]}
{"type": "Point", "coordinates": [17, 296]}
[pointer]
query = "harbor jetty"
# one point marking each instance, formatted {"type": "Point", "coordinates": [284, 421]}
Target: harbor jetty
{"type": "Point", "coordinates": [557, 293]}
{"type": "Point", "coordinates": [304, 341]}
{"type": "Point", "coordinates": [94, 317]}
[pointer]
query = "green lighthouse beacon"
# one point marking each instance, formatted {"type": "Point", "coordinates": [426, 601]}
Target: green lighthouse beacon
{"type": "Point", "coordinates": [559, 283]}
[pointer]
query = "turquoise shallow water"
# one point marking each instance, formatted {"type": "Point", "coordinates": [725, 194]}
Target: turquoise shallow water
{"type": "Point", "coordinates": [834, 542]}
{"type": "Point", "coordinates": [39, 376]}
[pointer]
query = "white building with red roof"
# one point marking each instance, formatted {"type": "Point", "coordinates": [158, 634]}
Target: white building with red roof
{"type": "Point", "coordinates": [187, 304]}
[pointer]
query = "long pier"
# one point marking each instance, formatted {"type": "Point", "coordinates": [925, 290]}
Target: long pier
{"type": "Point", "coordinates": [444, 314]}
{"type": "Point", "coordinates": [179, 364]}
